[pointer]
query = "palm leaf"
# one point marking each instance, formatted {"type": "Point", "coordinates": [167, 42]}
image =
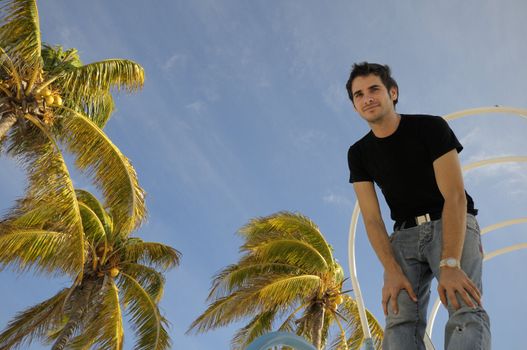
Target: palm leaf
{"type": "Point", "coordinates": [20, 31]}
{"type": "Point", "coordinates": [283, 290]}
{"type": "Point", "coordinates": [349, 310]}
{"type": "Point", "coordinates": [292, 252]}
{"type": "Point", "coordinates": [265, 293]}
{"type": "Point", "coordinates": [238, 275]}
{"type": "Point", "coordinates": [152, 281]}
{"type": "Point", "coordinates": [49, 183]}
{"type": "Point", "coordinates": [151, 253]}
{"type": "Point", "coordinates": [93, 227]}
{"type": "Point", "coordinates": [93, 203]}
{"type": "Point", "coordinates": [46, 251]}
{"type": "Point", "coordinates": [109, 168]}
{"type": "Point", "coordinates": [145, 317]}
{"type": "Point", "coordinates": [33, 323]}
{"type": "Point", "coordinates": [260, 324]}
{"type": "Point", "coordinates": [286, 225]}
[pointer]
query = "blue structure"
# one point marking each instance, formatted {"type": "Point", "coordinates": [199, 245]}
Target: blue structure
{"type": "Point", "coordinates": [269, 340]}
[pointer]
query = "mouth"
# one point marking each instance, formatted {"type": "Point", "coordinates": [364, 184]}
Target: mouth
{"type": "Point", "coordinates": [370, 107]}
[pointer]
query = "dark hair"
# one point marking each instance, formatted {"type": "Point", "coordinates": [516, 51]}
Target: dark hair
{"type": "Point", "coordinates": [364, 69]}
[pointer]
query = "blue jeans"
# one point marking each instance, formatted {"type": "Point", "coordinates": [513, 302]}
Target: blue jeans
{"type": "Point", "coordinates": [418, 251]}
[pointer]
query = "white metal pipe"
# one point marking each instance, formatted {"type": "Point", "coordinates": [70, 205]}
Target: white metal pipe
{"type": "Point", "coordinates": [496, 160]}
{"type": "Point", "coordinates": [353, 272]}
{"type": "Point", "coordinates": [485, 110]}
{"type": "Point", "coordinates": [502, 224]}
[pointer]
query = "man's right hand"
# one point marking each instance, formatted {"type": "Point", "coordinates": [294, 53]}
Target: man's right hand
{"type": "Point", "coordinates": [394, 281]}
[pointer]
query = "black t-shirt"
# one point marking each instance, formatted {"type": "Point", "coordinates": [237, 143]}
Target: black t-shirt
{"type": "Point", "coordinates": [401, 164]}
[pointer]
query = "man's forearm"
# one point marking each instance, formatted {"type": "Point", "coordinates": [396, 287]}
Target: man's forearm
{"type": "Point", "coordinates": [378, 238]}
{"type": "Point", "coordinates": [454, 226]}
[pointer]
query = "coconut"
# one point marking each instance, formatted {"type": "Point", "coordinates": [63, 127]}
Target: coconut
{"type": "Point", "coordinates": [49, 100]}
{"type": "Point", "coordinates": [58, 100]}
{"type": "Point", "coordinates": [114, 272]}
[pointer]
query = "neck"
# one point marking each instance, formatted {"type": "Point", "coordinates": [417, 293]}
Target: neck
{"type": "Point", "coordinates": [385, 126]}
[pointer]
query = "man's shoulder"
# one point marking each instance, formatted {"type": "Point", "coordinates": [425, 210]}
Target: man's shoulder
{"type": "Point", "coordinates": [361, 142]}
{"type": "Point", "coordinates": [422, 118]}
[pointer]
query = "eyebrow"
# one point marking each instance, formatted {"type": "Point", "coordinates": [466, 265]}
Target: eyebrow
{"type": "Point", "coordinates": [369, 88]}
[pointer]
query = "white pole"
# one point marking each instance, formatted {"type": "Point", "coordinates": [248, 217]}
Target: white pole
{"type": "Point", "coordinates": [353, 274]}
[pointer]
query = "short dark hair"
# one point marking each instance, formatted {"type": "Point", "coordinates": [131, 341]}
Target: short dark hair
{"type": "Point", "coordinates": [366, 68]}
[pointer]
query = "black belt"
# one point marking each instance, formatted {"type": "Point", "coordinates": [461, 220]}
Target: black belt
{"type": "Point", "coordinates": [419, 220]}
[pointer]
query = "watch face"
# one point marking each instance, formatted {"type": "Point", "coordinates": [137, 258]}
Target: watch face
{"type": "Point", "coordinates": [451, 262]}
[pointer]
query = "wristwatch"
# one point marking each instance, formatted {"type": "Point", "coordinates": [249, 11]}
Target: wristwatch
{"type": "Point", "coordinates": [450, 262]}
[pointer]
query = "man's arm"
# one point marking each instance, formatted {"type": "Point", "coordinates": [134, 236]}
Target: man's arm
{"type": "Point", "coordinates": [394, 278]}
{"type": "Point", "coordinates": [449, 179]}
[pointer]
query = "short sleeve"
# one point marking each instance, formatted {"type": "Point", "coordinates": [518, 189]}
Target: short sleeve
{"type": "Point", "coordinates": [356, 166]}
{"type": "Point", "coordinates": [439, 138]}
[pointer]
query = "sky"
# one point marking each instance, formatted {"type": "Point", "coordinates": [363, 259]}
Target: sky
{"type": "Point", "coordinates": [244, 113]}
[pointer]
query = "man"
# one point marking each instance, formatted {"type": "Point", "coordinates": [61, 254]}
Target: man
{"type": "Point", "coordinates": [414, 161]}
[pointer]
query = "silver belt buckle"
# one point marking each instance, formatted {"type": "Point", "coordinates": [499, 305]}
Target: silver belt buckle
{"type": "Point", "coordinates": [419, 220]}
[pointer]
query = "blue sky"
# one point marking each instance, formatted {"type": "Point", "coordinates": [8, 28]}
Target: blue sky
{"type": "Point", "coordinates": [244, 113]}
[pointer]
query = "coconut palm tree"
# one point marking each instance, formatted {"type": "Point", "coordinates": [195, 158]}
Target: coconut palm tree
{"type": "Point", "coordinates": [51, 102]}
{"type": "Point", "coordinates": [122, 273]}
{"type": "Point", "coordinates": [287, 276]}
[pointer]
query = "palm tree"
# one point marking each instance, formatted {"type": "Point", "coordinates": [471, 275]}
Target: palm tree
{"type": "Point", "coordinates": [287, 268]}
{"type": "Point", "coordinates": [121, 272]}
{"type": "Point", "coordinates": [49, 100]}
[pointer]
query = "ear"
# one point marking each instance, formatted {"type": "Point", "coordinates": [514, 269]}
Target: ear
{"type": "Point", "coordinates": [394, 93]}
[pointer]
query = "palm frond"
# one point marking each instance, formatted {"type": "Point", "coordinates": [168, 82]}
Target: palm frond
{"type": "Point", "coordinates": [46, 251]}
{"type": "Point", "coordinates": [93, 227]}
{"type": "Point", "coordinates": [81, 86]}
{"type": "Point", "coordinates": [349, 310]}
{"type": "Point", "coordinates": [33, 323]}
{"type": "Point", "coordinates": [151, 253]}
{"type": "Point", "coordinates": [93, 203]}
{"type": "Point", "coordinates": [224, 311]}
{"type": "Point", "coordinates": [284, 289]}
{"type": "Point", "coordinates": [260, 324]}
{"type": "Point", "coordinates": [109, 168]}
{"type": "Point", "coordinates": [237, 275]}
{"type": "Point", "coordinates": [34, 218]}
{"type": "Point", "coordinates": [292, 252]}
{"type": "Point", "coordinates": [20, 31]}
{"type": "Point", "coordinates": [286, 225]}
{"type": "Point", "coordinates": [152, 281]}
{"type": "Point", "coordinates": [49, 183]}
{"type": "Point", "coordinates": [98, 107]}
{"type": "Point", "coordinates": [145, 317]}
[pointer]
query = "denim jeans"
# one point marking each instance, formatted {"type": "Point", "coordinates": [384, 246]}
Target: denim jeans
{"type": "Point", "coordinates": [418, 251]}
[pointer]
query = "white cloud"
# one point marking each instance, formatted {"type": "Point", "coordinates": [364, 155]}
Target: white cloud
{"type": "Point", "coordinates": [336, 199]}
{"type": "Point", "coordinates": [197, 107]}
{"type": "Point", "coordinates": [175, 61]}
{"type": "Point", "coordinates": [308, 139]}
{"type": "Point", "coordinates": [335, 97]}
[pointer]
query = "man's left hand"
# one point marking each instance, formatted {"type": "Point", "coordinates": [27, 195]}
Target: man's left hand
{"type": "Point", "coordinates": [454, 280]}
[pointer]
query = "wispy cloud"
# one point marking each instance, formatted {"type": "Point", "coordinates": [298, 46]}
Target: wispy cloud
{"type": "Point", "coordinates": [335, 97]}
{"type": "Point", "coordinates": [337, 199]}
{"type": "Point", "coordinates": [175, 61]}
{"type": "Point", "coordinates": [197, 107]}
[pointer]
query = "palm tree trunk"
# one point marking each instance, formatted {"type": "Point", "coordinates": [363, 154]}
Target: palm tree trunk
{"type": "Point", "coordinates": [6, 122]}
{"type": "Point", "coordinates": [318, 324]}
{"type": "Point", "coordinates": [81, 302]}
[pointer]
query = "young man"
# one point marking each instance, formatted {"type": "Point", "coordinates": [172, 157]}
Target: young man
{"type": "Point", "coordinates": [414, 161]}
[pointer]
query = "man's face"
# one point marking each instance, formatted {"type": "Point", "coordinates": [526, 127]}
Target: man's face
{"type": "Point", "coordinates": [371, 99]}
